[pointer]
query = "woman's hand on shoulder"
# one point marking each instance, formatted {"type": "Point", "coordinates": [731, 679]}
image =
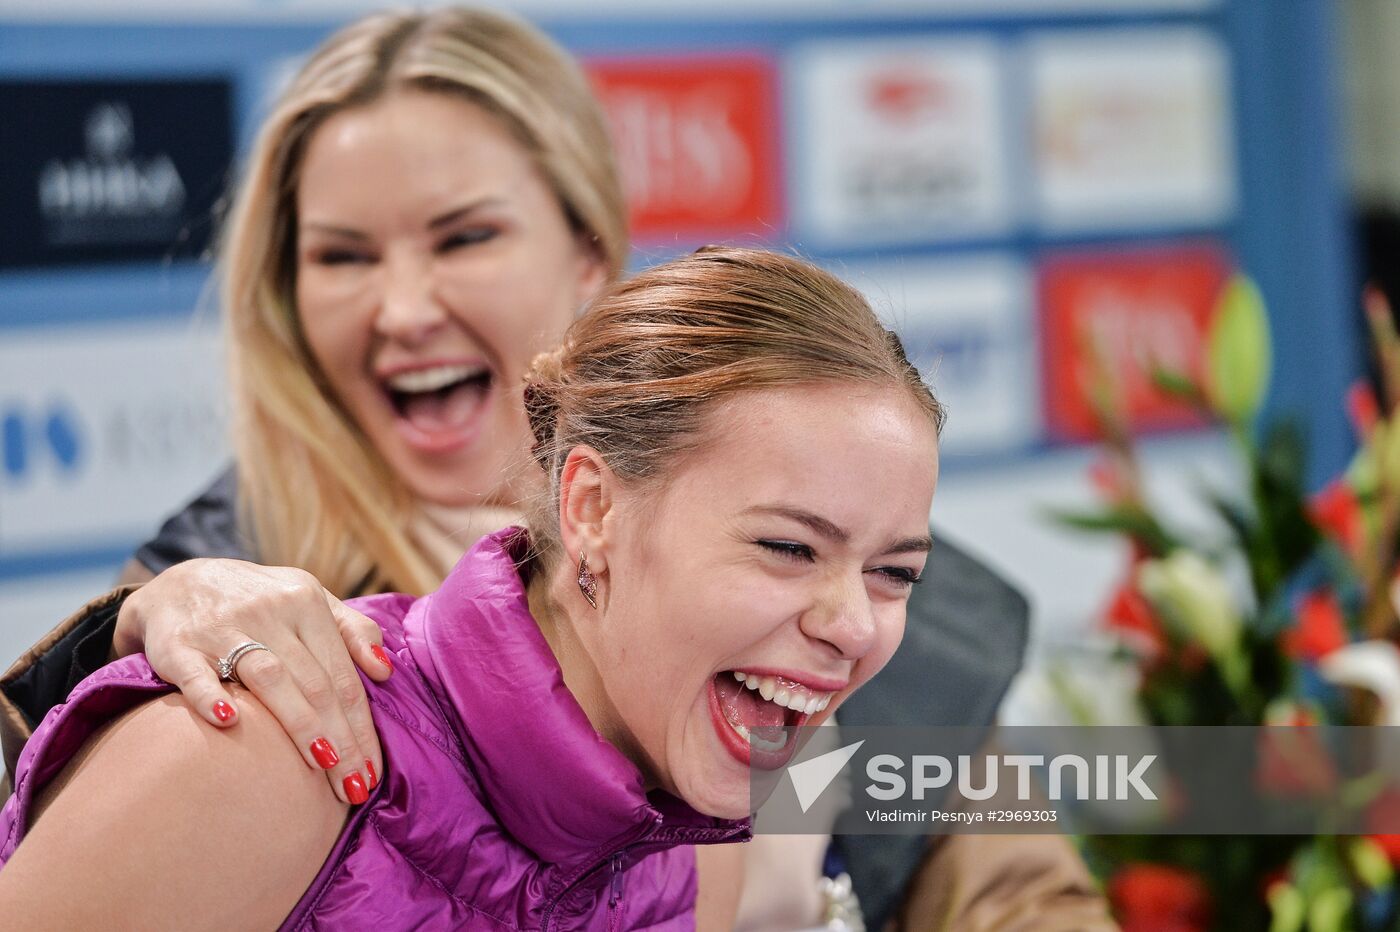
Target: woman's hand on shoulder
{"type": "Point", "coordinates": [195, 613]}
{"type": "Point", "coordinates": [161, 822]}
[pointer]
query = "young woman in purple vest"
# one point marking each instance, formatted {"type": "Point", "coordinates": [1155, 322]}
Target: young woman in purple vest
{"type": "Point", "coordinates": [740, 463]}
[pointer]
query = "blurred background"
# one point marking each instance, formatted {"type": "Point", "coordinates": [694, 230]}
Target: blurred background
{"type": "Point", "coordinates": [997, 175]}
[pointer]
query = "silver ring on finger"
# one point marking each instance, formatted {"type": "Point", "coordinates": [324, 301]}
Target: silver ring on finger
{"type": "Point", "coordinates": [228, 666]}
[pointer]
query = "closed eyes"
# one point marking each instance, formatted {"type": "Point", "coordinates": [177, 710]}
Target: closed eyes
{"type": "Point", "coordinates": [797, 552]}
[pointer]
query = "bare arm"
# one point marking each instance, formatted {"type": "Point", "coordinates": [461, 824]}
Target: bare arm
{"type": "Point", "coordinates": [161, 822]}
{"type": "Point", "coordinates": [198, 611]}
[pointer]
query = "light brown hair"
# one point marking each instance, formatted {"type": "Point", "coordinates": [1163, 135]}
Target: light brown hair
{"type": "Point", "coordinates": [313, 491]}
{"type": "Point", "coordinates": [637, 375]}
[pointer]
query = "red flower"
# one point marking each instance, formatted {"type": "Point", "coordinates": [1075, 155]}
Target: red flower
{"type": "Point", "coordinates": [1158, 898]}
{"type": "Point", "coordinates": [1129, 614]}
{"type": "Point", "coordinates": [1362, 406]}
{"type": "Point", "coordinates": [1272, 879]}
{"type": "Point", "coordinates": [1293, 762]}
{"type": "Point", "coordinates": [1337, 513]}
{"type": "Point", "coordinates": [1384, 813]}
{"type": "Point", "coordinates": [1390, 844]}
{"type": "Point", "coordinates": [1320, 628]}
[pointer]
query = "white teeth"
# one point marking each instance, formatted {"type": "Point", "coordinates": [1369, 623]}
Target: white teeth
{"type": "Point", "coordinates": [797, 698]}
{"type": "Point", "coordinates": [430, 380]}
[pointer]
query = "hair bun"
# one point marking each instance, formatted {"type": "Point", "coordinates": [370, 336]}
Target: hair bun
{"type": "Point", "coordinates": [542, 383]}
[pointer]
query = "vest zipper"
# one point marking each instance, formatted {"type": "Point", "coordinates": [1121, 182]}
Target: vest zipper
{"type": "Point", "coordinates": [615, 894]}
{"type": "Point", "coordinates": [615, 862]}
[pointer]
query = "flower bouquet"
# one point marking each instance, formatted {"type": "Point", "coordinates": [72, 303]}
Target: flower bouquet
{"type": "Point", "coordinates": [1288, 618]}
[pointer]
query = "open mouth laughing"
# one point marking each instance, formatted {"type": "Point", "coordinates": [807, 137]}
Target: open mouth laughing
{"type": "Point", "coordinates": [754, 714]}
{"type": "Point", "coordinates": [438, 407]}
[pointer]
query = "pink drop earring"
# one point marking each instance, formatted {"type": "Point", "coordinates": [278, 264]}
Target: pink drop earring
{"type": "Point", "coordinates": [587, 582]}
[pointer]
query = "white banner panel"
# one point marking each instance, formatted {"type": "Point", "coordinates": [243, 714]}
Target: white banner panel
{"type": "Point", "coordinates": [899, 141]}
{"type": "Point", "coordinates": [1132, 128]}
{"type": "Point", "coordinates": [967, 324]}
{"type": "Point", "coordinates": [105, 430]}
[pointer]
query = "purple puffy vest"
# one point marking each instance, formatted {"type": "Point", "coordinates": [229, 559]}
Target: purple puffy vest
{"type": "Point", "coordinates": [500, 806]}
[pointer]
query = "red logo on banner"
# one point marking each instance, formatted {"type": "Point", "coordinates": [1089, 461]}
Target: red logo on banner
{"type": "Point", "coordinates": [696, 139]}
{"type": "Point", "coordinates": [1139, 308]}
{"type": "Point", "coordinates": [906, 96]}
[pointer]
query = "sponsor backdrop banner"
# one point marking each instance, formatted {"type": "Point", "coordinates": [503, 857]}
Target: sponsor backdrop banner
{"type": "Point", "coordinates": [900, 140]}
{"type": "Point", "coordinates": [302, 10]}
{"type": "Point", "coordinates": [1135, 309]}
{"type": "Point", "coordinates": [111, 170]}
{"type": "Point", "coordinates": [998, 177]}
{"type": "Point", "coordinates": [697, 144]}
{"type": "Point", "coordinates": [967, 325]}
{"type": "Point", "coordinates": [103, 430]}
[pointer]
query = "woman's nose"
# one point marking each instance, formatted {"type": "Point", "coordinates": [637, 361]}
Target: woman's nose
{"type": "Point", "coordinates": [409, 311]}
{"type": "Point", "coordinates": [843, 617]}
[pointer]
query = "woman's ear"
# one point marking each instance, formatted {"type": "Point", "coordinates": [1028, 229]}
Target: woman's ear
{"type": "Point", "coordinates": [592, 270]}
{"type": "Point", "coordinates": [586, 492]}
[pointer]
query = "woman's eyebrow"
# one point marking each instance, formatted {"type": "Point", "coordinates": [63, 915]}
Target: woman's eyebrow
{"type": "Point", "coordinates": [813, 522]}
{"type": "Point", "coordinates": [446, 218]}
{"type": "Point", "coordinates": [911, 545]}
{"type": "Point", "coordinates": [833, 532]}
{"type": "Point", "coordinates": [452, 216]}
{"type": "Point", "coordinates": [334, 230]}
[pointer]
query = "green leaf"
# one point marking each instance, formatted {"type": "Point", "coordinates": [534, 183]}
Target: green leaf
{"type": "Point", "coordinates": [1288, 908]}
{"type": "Point", "coordinates": [1371, 864]}
{"type": "Point", "coordinates": [1236, 515]}
{"type": "Point", "coordinates": [1177, 385]}
{"type": "Point", "coordinates": [1239, 355]}
{"type": "Point", "coordinates": [1390, 454]}
{"type": "Point", "coordinates": [1330, 910]}
{"type": "Point", "coordinates": [1134, 522]}
{"type": "Point", "coordinates": [1285, 537]}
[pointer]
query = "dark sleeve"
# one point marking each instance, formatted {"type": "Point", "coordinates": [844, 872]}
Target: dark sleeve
{"type": "Point", "coordinates": [964, 640]}
{"type": "Point", "coordinates": [206, 527]}
{"type": "Point", "coordinates": [49, 670]}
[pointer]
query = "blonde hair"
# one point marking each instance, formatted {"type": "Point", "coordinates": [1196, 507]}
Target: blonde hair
{"type": "Point", "coordinates": [636, 377]}
{"type": "Point", "coordinates": [313, 492]}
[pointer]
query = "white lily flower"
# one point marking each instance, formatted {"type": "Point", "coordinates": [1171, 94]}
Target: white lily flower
{"type": "Point", "coordinates": [1193, 593]}
{"type": "Point", "coordinates": [1370, 665]}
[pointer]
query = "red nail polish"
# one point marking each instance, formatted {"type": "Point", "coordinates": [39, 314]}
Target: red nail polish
{"type": "Point", "coordinates": [325, 754]}
{"type": "Point", "coordinates": [355, 788]}
{"type": "Point", "coordinates": [223, 711]}
{"type": "Point", "coordinates": [381, 656]}
{"type": "Point", "coordinates": [373, 778]}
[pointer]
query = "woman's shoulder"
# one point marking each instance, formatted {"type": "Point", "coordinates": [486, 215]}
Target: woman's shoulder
{"type": "Point", "coordinates": [410, 707]}
{"type": "Point", "coordinates": [195, 801]}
